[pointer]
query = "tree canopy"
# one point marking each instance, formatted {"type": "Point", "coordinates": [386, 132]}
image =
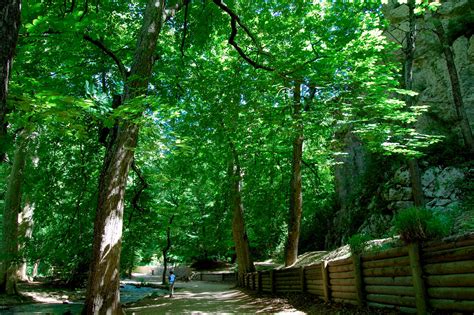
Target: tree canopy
{"type": "Point", "coordinates": [180, 100]}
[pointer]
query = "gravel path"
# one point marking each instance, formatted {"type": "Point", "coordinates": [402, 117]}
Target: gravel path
{"type": "Point", "coordinates": [209, 298]}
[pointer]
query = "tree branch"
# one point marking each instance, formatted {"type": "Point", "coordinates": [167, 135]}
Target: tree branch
{"type": "Point", "coordinates": [109, 53]}
{"type": "Point", "coordinates": [234, 20]}
{"type": "Point", "coordinates": [138, 192]}
{"type": "Point", "coordinates": [73, 6]}
{"type": "Point", "coordinates": [312, 169]}
{"type": "Point", "coordinates": [143, 183]}
{"type": "Point", "coordinates": [185, 27]}
{"type": "Point", "coordinates": [86, 10]}
{"type": "Point", "coordinates": [308, 101]}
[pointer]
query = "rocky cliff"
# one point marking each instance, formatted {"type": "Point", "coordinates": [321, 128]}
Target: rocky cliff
{"type": "Point", "coordinates": [448, 165]}
{"type": "Point", "coordinates": [430, 72]}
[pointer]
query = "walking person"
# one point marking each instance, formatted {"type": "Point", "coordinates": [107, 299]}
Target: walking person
{"type": "Point", "coordinates": [171, 279]}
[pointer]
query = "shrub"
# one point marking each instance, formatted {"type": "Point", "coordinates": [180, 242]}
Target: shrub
{"type": "Point", "coordinates": [419, 224]}
{"type": "Point", "coordinates": [358, 242]}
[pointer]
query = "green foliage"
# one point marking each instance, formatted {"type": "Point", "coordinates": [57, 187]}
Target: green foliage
{"type": "Point", "coordinates": [426, 5]}
{"type": "Point", "coordinates": [369, 104]}
{"type": "Point", "coordinates": [65, 170]}
{"type": "Point", "coordinates": [462, 218]}
{"type": "Point", "coordinates": [358, 243]}
{"type": "Point", "coordinates": [315, 226]}
{"type": "Point", "coordinates": [419, 224]}
{"type": "Point", "coordinates": [199, 100]}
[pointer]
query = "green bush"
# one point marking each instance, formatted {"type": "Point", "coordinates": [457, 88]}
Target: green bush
{"type": "Point", "coordinates": [419, 224]}
{"type": "Point", "coordinates": [358, 242]}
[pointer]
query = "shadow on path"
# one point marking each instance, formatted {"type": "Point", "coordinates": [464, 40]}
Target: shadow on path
{"type": "Point", "coordinates": [204, 298]}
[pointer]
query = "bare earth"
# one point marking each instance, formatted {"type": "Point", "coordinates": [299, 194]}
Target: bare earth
{"type": "Point", "coordinates": [209, 298]}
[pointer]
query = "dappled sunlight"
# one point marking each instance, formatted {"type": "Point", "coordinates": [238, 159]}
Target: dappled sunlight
{"type": "Point", "coordinates": [151, 151]}
{"type": "Point", "coordinates": [43, 297]}
{"type": "Point", "coordinates": [104, 288]}
{"type": "Point", "coordinates": [203, 298]}
{"type": "Point", "coordinates": [112, 232]}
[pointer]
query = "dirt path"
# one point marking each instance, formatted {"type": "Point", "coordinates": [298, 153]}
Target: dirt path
{"type": "Point", "coordinates": [207, 298]}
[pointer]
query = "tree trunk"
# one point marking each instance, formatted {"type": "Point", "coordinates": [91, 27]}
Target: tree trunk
{"type": "Point", "coordinates": [25, 233]}
{"type": "Point", "coordinates": [166, 250]}
{"type": "Point", "coordinates": [131, 264]}
{"type": "Point", "coordinates": [103, 294]}
{"type": "Point", "coordinates": [296, 196]}
{"type": "Point", "coordinates": [165, 267]}
{"type": "Point", "coordinates": [130, 273]}
{"type": "Point", "coordinates": [413, 167]}
{"type": "Point", "coordinates": [10, 14]}
{"type": "Point", "coordinates": [136, 208]}
{"type": "Point", "coordinates": [416, 185]}
{"type": "Point", "coordinates": [9, 267]}
{"type": "Point", "coordinates": [455, 86]}
{"type": "Point", "coordinates": [242, 248]}
{"type": "Point", "coordinates": [21, 272]}
{"type": "Point", "coordinates": [35, 269]}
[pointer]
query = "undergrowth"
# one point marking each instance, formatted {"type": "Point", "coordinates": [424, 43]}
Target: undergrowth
{"type": "Point", "coordinates": [420, 224]}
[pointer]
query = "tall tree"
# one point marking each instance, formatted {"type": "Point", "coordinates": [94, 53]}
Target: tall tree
{"type": "Point", "coordinates": [10, 259]}
{"type": "Point", "coordinates": [10, 14]}
{"type": "Point", "coordinates": [409, 50]}
{"type": "Point", "coordinates": [25, 230]}
{"type": "Point", "coordinates": [296, 191]}
{"type": "Point", "coordinates": [166, 249]}
{"type": "Point", "coordinates": [239, 233]}
{"type": "Point", "coordinates": [103, 294]}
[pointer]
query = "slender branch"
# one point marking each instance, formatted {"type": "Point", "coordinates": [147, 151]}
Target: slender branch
{"type": "Point", "coordinates": [168, 236]}
{"type": "Point", "coordinates": [234, 20]}
{"type": "Point", "coordinates": [143, 182]}
{"type": "Point", "coordinates": [73, 6]}
{"type": "Point", "coordinates": [185, 27]}
{"type": "Point", "coordinates": [138, 193]}
{"type": "Point", "coordinates": [109, 53]}
{"type": "Point", "coordinates": [86, 10]}
{"type": "Point", "coordinates": [393, 36]}
{"type": "Point", "coordinates": [141, 188]}
{"type": "Point", "coordinates": [312, 169]}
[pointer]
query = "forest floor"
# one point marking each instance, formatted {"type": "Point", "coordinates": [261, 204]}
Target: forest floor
{"type": "Point", "coordinates": [53, 298]}
{"type": "Point", "coordinates": [195, 297]}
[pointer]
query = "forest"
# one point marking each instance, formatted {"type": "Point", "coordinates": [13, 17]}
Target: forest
{"type": "Point", "coordinates": [201, 133]}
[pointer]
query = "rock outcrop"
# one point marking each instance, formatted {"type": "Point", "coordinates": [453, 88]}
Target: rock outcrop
{"type": "Point", "coordinates": [441, 175]}
{"type": "Point", "coordinates": [430, 73]}
{"type": "Point", "coordinates": [440, 187]}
